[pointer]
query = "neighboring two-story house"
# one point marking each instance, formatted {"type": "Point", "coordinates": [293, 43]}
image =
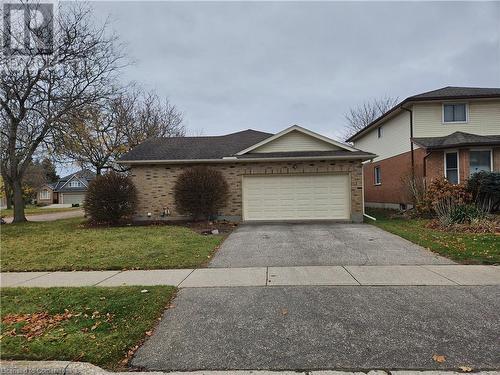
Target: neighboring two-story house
{"type": "Point", "coordinates": [70, 189]}
{"type": "Point", "coordinates": [451, 132]}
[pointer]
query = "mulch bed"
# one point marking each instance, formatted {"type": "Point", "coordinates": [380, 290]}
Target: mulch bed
{"type": "Point", "coordinates": [202, 227]}
{"type": "Point", "coordinates": [482, 226]}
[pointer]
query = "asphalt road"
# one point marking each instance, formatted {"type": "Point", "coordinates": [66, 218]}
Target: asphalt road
{"type": "Point", "coordinates": [306, 328]}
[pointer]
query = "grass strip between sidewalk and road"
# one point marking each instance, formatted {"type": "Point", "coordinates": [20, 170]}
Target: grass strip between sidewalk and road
{"type": "Point", "coordinates": [466, 248]}
{"type": "Point", "coordinates": [91, 324]}
{"type": "Point", "coordinates": [67, 245]}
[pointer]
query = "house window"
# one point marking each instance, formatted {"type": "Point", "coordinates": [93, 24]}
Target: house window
{"type": "Point", "coordinates": [44, 194]}
{"type": "Point", "coordinates": [456, 112]}
{"type": "Point", "coordinates": [479, 160]}
{"type": "Point", "coordinates": [379, 132]}
{"type": "Point", "coordinates": [377, 175]}
{"type": "Point", "coordinates": [451, 167]}
{"type": "Point", "coordinates": [75, 183]}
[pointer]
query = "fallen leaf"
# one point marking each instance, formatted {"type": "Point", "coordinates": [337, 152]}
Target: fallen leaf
{"type": "Point", "coordinates": [284, 312]}
{"type": "Point", "coordinates": [465, 368]}
{"type": "Point", "coordinates": [149, 333]}
{"type": "Point", "coordinates": [439, 358]}
{"type": "Point", "coordinates": [35, 324]}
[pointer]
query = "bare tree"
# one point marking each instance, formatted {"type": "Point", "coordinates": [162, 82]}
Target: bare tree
{"type": "Point", "coordinates": [40, 88]}
{"type": "Point", "coordinates": [151, 116]}
{"type": "Point", "coordinates": [100, 134]}
{"type": "Point", "coordinates": [362, 115]}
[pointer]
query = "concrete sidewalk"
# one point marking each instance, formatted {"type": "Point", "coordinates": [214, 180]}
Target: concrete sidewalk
{"type": "Point", "coordinates": [265, 276]}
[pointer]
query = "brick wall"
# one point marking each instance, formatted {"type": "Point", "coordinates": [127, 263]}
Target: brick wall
{"type": "Point", "coordinates": [393, 170]}
{"type": "Point", "coordinates": [155, 183]}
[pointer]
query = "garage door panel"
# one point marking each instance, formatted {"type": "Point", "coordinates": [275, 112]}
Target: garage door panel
{"type": "Point", "coordinates": [296, 197]}
{"type": "Point", "coordinates": [73, 198]}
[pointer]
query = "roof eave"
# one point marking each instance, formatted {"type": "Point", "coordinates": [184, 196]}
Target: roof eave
{"type": "Point", "coordinates": [411, 100]}
{"type": "Point", "coordinates": [457, 145]}
{"type": "Point", "coordinates": [246, 160]}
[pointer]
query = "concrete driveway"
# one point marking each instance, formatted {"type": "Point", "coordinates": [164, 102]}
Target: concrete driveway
{"type": "Point", "coordinates": [318, 244]}
{"type": "Point", "coordinates": [350, 327]}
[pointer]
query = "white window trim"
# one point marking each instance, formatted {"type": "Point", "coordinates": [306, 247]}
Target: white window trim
{"type": "Point", "coordinates": [375, 175]}
{"type": "Point", "coordinates": [458, 163]}
{"type": "Point", "coordinates": [455, 122]}
{"type": "Point", "coordinates": [483, 149]}
{"type": "Point", "coordinates": [42, 195]}
{"type": "Point", "coordinates": [75, 183]}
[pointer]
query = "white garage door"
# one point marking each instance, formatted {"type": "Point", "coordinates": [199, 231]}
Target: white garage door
{"type": "Point", "coordinates": [73, 198]}
{"type": "Point", "coordinates": [304, 197]}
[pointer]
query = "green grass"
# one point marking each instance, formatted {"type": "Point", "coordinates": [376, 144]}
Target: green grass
{"type": "Point", "coordinates": [467, 248]}
{"type": "Point", "coordinates": [34, 210]}
{"type": "Point", "coordinates": [106, 322]}
{"type": "Point", "coordinates": [68, 245]}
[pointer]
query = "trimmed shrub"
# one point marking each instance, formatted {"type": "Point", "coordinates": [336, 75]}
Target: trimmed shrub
{"type": "Point", "coordinates": [200, 192]}
{"type": "Point", "coordinates": [485, 189]}
{"type": "Point", "coordinates": [441, 190]}
{"type": "Point", "coordinates": [110, 198]}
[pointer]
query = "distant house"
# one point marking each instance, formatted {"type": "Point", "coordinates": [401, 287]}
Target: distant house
{"type": "Point", "coordinates": [70, 189]}
{"type": "Point", "coordinates": [451, 132]}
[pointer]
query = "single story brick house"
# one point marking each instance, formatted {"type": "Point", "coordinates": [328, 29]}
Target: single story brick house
{"type": "Point", "coordinates": [70, 189]}
{"type": "Point", "coordinates": [295, 174]}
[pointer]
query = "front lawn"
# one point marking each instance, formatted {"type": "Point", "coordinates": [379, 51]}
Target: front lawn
{"type": "Point", "coordinates": [34, 210]}
{"type": "Point", "coordinates": [68, 245]}
{"type": "Point", "coordinates": [93, 324]}
{"type": "Point", "coordinates": [467, 248]}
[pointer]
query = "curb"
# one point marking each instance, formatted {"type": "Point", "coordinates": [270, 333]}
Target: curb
{"type": "Point", "coordinates": [83, 368]}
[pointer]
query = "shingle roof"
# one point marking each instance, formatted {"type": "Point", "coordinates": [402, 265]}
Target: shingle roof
{"type": "Point", "coordinates": [192, 148]}
{"type": "Point", "coordinates": [219, 147]}
{"type": "Point", "coordinates": [457, 139]}
{"type": "Point", "coordinates": [444, 93]}
{"type": "Point", "coordinates": [451, 92]}
{"type": "Point", "coordinates": [84, 174]}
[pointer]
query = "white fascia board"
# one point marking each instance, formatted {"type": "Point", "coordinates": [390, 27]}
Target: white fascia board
{"type": "Point", "coordinates": [247, 160]}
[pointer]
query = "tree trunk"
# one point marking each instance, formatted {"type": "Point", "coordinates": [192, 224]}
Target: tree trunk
{"type": "Point", "coordinates": [8, 197]}
{"type": "Point", "coordinates": [18, 202]}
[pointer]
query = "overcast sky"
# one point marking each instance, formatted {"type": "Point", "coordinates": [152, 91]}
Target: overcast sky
{"type": "Point", "coordinates": [231, 66]}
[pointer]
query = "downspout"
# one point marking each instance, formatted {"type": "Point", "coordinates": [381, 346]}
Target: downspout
{"type": "Point", "coordinates": [363, 194]}
{"type": "Point", "coordinates": [411, 143]}
{"type": "Point", "coordinates": [425, 166]}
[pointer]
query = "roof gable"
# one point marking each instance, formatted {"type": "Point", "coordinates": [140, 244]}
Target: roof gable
{"type": "Point", "coordinates": [296, 139]}
{"type": "Point", "coordinates": [75, 177]}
